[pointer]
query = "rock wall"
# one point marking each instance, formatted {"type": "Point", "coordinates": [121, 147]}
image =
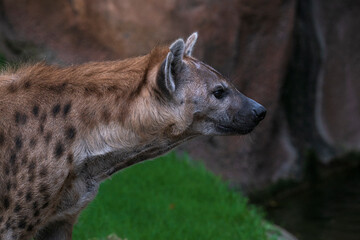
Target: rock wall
{"type": "Point", "coordinates": [339, 104]}
{"type": "Point", "coordinates": [298, 58]}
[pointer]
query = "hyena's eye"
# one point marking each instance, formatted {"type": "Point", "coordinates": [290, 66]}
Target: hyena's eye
{"type": "Point", "coordinates": [219, 93]}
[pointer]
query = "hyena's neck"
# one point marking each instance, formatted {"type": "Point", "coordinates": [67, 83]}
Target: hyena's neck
{"type": "Point", "coordinates": [141, 135]}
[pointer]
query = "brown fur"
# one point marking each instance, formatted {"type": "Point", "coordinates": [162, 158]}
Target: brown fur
{"type": "Point", "coordinates": [63, 130]}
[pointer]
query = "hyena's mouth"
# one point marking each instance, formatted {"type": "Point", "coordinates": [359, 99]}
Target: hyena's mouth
{"type": "Point", "coordinates": [228, 130]}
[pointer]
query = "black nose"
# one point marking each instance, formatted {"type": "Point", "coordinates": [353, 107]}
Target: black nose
{"type": "Point", "coordinates": [259, 113]}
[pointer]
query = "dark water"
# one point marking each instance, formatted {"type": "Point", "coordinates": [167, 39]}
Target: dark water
{"type": "Point", "coordinates": [330, 210]}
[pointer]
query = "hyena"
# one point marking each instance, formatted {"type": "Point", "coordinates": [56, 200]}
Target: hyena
{"type": "Point", "coordinates": [63, 130]}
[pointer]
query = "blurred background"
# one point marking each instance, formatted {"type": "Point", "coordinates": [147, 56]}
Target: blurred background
{"type": "Point", "coordinates": [299, 58]}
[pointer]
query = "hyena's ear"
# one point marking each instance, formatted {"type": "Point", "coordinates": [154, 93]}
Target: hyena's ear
{"type": "Point", "coordinates": [172, 65]}
{"type": "Point", "coordinates": [190, 42]}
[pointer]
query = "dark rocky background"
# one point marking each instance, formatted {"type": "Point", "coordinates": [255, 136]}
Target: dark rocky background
{"type": "Point", "coordinates": [299, 58]}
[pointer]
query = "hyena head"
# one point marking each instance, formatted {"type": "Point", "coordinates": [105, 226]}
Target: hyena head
{"type": "Point", "coordinates": [211, 105]}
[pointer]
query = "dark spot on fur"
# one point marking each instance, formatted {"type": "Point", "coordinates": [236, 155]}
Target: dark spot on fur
{"type": "Point", "coordinates": [12, 88]}
{"type": "Point", "coordinates": [46, 197]}
{"type": "Point", "coordinates": [43, 117]}
{"type": "Point", "coordinates": [28, 196]}
{"type": "Point", "coordinates": [86, 166]}
{"type": "Point", "coordinates": [92, 89]}
{"type": "Point", "coordinates": [41, 128]}
{"type": "Point", "coordinates": [2, 138]}
{"type": "Point", "coordinates": [31, 169]}
{"type": "Point", "coordinates": [36, 213]}
{"type": "Point", "coordinates": [43, 188]}
{"type": "Point", "coordinates": [35, 110]}
{"type": "Point", "coordinates": [88, 117]}
{"type": "Point", "coordinates": [30, 228]}
{"type": "Point", "coordinates": [64, 84]}
{"type": "Point", "coordinates": [32, 142]}
{"type": "Point", "coordinates": [32, 166]}
{"type": "Point", "coordinates": [88, 90]}
{"type": "Point", "coordinates": [112, 88]}
{"type": "Point", "coordinates": [20, 118]}
{"type": "Point", "coordinates": [15, 169]}
{"type": "Point", "coordinates": [35, 208]}
{"type": "Point", "coordinates": [7, 225]}
{"type": "Point", "coordinates": [22, 223]}
{"type": "Point", "coordinates": [43, 172]}
{"type": "Point", "coordinates": [56, 109]}
{"type": "Point", "coordinates": [35, 205]}
{"type": "Point", "coordinates": [27, 84]}
{"type": "Point", "coordinates": [12, 158]}
{"type": "Point", "coordinates": [124, 111]}
{"type": "Point", "coordinates": [117, 99]}
{"type": "Point", "coordinates": [17, 208]}
{"type": "Point", "coordinates": [31, 178]}
{"type": "Point", "coordinates": [24, 160]}
{"type": "Point", "coordinates": [45, 205]}
{"type": "Point", "coordinates": [18, 142]}
{"type": "Point", "coordinates": [1, 219]}
{"type": "Point", "coordinates": [6, 169]}
{"type": "Point", "coordinates": [66, 109]}
{"type": "Point", "coordinates": [70, 133]}
{"type": "Point", "coordinates": [59, 150]}
{"type": "Point", "coordinates": [48, 137]}
{"type": "Point", "coordinates": [70, 158]}
{"type": "Point", "coordinates": [20, 193]}
{"type": "Point", "coordinates": [58, 88]}
{"type": "Point", "coordinates": [106, 116]}
{"type": "Point", "coordinates": [8, 186]}
{"type": "Point", "coordinates": [6, 202]}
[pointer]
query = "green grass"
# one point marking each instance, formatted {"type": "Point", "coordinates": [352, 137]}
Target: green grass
{"type": "Point", "coordinates": [169, 199]}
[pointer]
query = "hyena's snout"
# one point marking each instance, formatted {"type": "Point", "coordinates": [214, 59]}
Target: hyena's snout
{"type": "Point", "coordinates": [248, 116]}
{"type": "Point", "coordinates": [258, 112]}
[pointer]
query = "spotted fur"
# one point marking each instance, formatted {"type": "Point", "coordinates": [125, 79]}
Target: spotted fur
{"type": "Point", "coordinates": [63, 130]}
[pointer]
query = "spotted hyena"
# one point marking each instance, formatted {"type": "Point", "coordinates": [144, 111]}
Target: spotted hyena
{"type": "Point", "coordinates": [63, 130]}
